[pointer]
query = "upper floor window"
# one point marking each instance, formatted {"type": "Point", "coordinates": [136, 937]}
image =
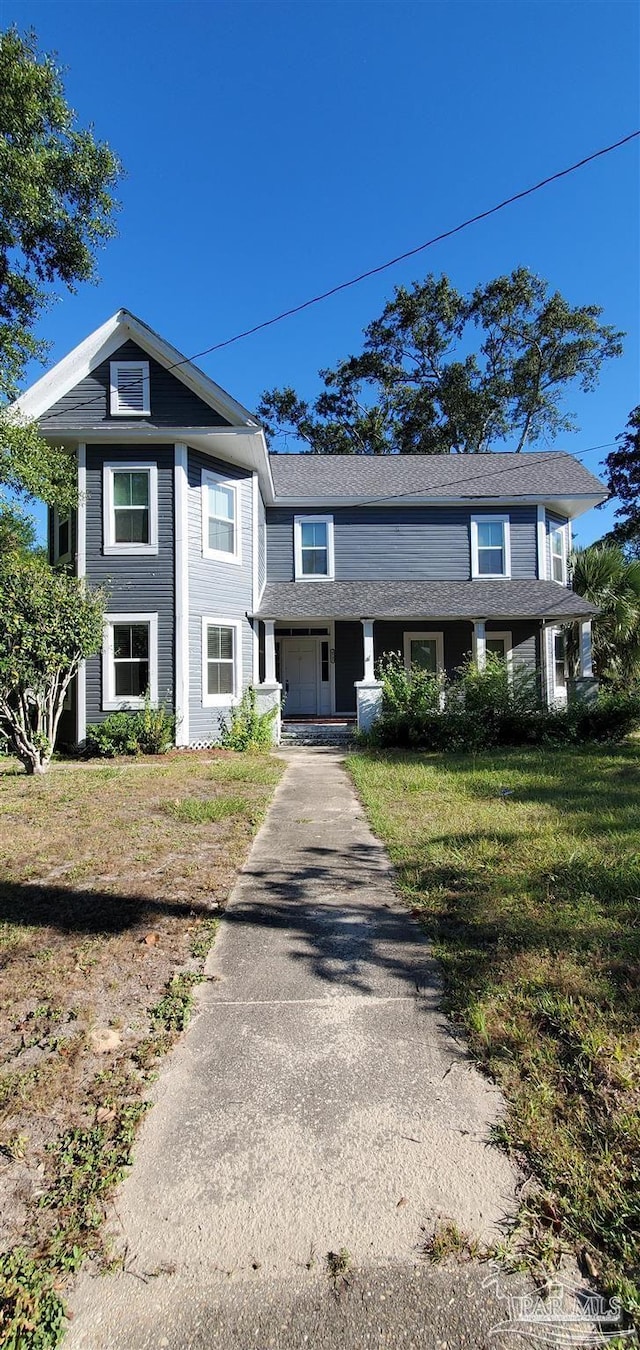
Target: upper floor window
{"type": "Point", "coordinates": [558, 545]}
{"type": "Point", "coordinates": [490, 546]}
{"type": "Point", "coordinates": [130, 395]}
{"type": "Point", "coordinates": [130, 508]}
{"type": "Point", "coordinates": [129, 660]}
{"type": "Point", "coordinates": [220, 523]}
{"type": "Point", "coordinates": [313, 548]}
{"type": "Point", "coordinates": [61, 536]}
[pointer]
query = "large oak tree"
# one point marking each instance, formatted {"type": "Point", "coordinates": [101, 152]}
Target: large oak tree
{"type": "Point", "coordinates": [440, 371]}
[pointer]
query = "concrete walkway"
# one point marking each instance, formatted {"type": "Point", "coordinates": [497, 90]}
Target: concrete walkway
{"type": "Point", "coordinates": [318, 1102]}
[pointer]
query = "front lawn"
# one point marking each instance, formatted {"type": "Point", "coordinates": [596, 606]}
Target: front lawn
{"type": "Point", "coordinates": [524, 867]}
{"type": "Point", "coordinates": [111, 878]}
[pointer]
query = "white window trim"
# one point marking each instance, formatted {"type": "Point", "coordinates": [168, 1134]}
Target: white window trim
{"type": "Point", "coordinates": [222, 700]}
{"type": "Point", "coordinates": [111, 703]}
{"type": "Point", "coordinates": [560, 530]}
{"type": "Point", "coordinates": [298, 522]}
{"type": "Point", "coordinates": [559, 690]}
{"type": "Point", "coordinates": [109, 545]}
{"type": "Point", "coordinates": [209, 478]}
{"type": "Point", "coordinates": [507, 638]}
{"type": "Point", "coordinates": [506, 528]}
{"type": "Point", "coordinates": [114, 408]}
{"type": "Point", "coordinates": [410, 637]}
{"type": "Point", "coordinates": [59, 518]}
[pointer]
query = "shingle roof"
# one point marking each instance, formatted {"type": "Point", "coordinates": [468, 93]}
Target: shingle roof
{"type": "Point", "coordinates": [422, 599]}
{"type": "Point", "coordinates": [548, 473]}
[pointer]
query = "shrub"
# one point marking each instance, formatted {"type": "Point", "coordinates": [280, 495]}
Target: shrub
{"type": "Point", "coordinates": [487, 708]}
{"type": "Point", "coordinates": [151, 731]}
{"type": "Point", "coordinates": [248, 729]}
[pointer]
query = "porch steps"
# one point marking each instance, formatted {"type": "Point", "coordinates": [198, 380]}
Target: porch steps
{"type": "Point", "coordinates": [336, 732]}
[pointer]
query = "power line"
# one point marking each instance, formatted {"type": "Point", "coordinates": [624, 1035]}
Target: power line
{"type": "Point", "coordinates": [383, 267]}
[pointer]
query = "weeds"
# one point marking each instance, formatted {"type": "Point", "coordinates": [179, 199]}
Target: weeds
{"type": "Point", "coordinates": [204, 811]}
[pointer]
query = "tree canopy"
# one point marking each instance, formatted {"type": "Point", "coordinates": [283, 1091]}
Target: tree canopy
{"type": "Point", "coordinates": [51, 621]}
{"type": "Point", "coordinates": [623, 480]}
{"type": "Point", "coordinates": [611, 581]}
{"type": "Point", "coordinates": [56, 209]}
{"type": "Point", "coordinates": [440, 371]}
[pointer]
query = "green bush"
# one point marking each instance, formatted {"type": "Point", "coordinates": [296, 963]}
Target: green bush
{"type": "Point", "coordinates": [248, 729]}
{"type": "Point", "coordinates": [151, 731]}
{"type": "Point", "coordinates": [496, 706]}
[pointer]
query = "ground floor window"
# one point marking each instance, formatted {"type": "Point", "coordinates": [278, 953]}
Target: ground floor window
{"type": "Point", "coordinates": [424, 650]}
{"type": "Point", "coordinates": [221, 657]}
{"type": "Point", "coordinates": [499, 644]}
{"type": "Point", "coordinates": [130, 660]}
{"type": "Point", "coordinates": [559, 662]}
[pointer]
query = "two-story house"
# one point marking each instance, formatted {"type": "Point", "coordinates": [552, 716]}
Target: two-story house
{"type": "Point", "coordinates": [227, 566]}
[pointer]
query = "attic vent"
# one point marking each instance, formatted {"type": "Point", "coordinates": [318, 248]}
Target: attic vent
{"type": "Point", "coordinates": [130, 389]}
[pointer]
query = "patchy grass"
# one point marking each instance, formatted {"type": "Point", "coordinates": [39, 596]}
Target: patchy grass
{"type": "Point", "coordinates": [448, 1242]}
{"type": "Point", "coordinates": [108, 905]}
{"type": "Point", "coordinates": [524, 867]}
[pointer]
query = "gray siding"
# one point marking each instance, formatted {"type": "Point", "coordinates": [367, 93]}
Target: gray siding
{"type": "Point", "coordinates": [138, 583]}
{"type": "Point", "coordinates": [408, 543]}
{"type": "Point", "coordinates": [389, 637]}
{"type": "Point", "coordinates": [262, 544]}
{"type": "Point", "coordinates": [172, 403]}
{"type": "Point", "coordinates": [219, 589]}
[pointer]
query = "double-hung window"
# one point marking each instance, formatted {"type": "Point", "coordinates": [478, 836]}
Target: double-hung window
{"type": "Point", "coordinates": [490, 546]}
{"type": "Point", "coordinates": [220, 523]}
{"type": "Point", "coordinates": [61, 523]}
{"type": "Point", "coordinates": [313, 548]}
{"type": "Point", "coordinates": [221, 653]}
{"type": "Point", "coordinates": [130, 508]}
{"type": "Point", "coordinates": [558, 547]}
{"type": "Point", "coordinates": [129, 660]}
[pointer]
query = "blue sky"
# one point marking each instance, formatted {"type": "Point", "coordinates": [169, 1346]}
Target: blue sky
{"type": "Point", "coordinates": [274, 149]}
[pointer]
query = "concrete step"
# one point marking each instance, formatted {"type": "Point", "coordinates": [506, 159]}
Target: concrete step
{"type": "Point", "coordinates": [317, 733]}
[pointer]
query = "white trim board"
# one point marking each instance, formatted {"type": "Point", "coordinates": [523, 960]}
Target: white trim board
{"type": "Point", "coordinates": [181, 484]}
{"type": "Point", "coordinates": [100, 345]}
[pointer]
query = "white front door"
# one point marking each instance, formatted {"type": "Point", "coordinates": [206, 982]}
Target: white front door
{"type": "Point", "coordinates": [300, 676]}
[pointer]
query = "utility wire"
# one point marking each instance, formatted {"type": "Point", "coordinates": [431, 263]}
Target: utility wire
{"type": "Point", "coordinates": [383, 267]}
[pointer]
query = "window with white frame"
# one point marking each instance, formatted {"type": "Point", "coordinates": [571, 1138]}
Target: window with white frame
{"type": "Point", "coordinates": [221, 654]}
{"type": "Point", "coordinates": [220, 523]}
{"type": "Point", "coordinates": [61, 536]}
{"type": "Point", "coordinates": [313, 548]}
{"type": "Point", "coordinates": [130, 389]}
{"type": "Point", "coordinates": [490, 546]}
{"type": "Point", "coordinates": [425, 651]}
{"type": "Point", "coordinates": [129, 660]}
{"type": "Point", "coordinates": [499, 644]}
{"type": "Point", "coordinates": [130, 508]}
{"type": "Point", "coordinates": [558, 546]}
{"type": "Point", "coordinates": [559, 660]}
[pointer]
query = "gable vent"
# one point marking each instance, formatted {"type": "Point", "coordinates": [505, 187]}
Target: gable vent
{"type": "Point", "coordinates": [130, 389]}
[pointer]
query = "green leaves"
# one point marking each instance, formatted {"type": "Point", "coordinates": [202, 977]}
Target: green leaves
{"type": "Point", "coordinates": [623, 468]}
{"type": "Point", "coordinates": [440, 371]}
{"type": "Point", "coordinates": [612, 582]}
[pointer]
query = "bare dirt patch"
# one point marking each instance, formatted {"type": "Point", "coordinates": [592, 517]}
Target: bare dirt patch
{"type": "Point", "coordinates": [111, 878]}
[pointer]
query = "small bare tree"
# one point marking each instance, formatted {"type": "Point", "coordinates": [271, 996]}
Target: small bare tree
{"type": "Point", "coordinates": [49, 623]}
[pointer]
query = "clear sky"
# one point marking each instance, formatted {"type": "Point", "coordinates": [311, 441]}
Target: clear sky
{"type": "Point", "coordinates": [273, 149]}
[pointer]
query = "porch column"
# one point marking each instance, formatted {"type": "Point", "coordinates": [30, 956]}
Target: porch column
{"type": "Point", "coordinates": [367, 633]}
{"type": "Point", "coordinates": [269, 693]}
{"type": "Point", "coordinates": [586, 658]}
{"type": "Point", "coordinates": [368, 689]}
{"type": "Point", "coordinates": [480, 643]}
{"type": "Point", "coordinates": [269, 651]}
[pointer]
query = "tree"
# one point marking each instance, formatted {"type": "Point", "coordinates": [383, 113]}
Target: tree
{"type": "Point", "coordinates": [51, 622]}
{"type": "Point", "coordinates": [441, 372]}
{"type": "Point", "coordinates": [56, 208]}
{"type": "Point", "coordinates": [611, 581]}
{"type": "Point", "coordinates": [623, 481]}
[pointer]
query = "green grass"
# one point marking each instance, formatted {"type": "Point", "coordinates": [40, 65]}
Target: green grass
{"type": "Point", "coordinates": [524, 867]}
{"type": "Point", "coordinates": [205, 810]}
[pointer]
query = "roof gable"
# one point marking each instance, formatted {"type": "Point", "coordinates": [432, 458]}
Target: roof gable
{"type": "Point", "coordinates": [52, 399]}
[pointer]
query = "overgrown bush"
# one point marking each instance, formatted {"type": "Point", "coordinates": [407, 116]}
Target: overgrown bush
{"type": "Point", "coordinates": [151, 731]}
{"type": "Point", "coordinates": [479, 709]}
{"type": "Point", "coordinates": [248, 729]}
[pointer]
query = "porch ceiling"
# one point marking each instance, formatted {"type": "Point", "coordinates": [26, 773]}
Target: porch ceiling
{"type": "Point", "coordinates": [426, 599]}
